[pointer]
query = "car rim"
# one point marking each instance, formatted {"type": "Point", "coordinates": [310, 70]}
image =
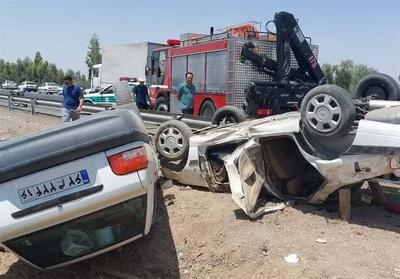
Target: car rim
{"type": "Point", "coordinates": [171, 141]}
{"type": "Point", "coordinates": [227, 119]}
{"type": "Point", "coordinates": [162, 107]}
{"type": "Point", "coordinates": [323, 113]}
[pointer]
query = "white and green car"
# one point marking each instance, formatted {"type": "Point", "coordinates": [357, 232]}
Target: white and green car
{"type": "Point", "coordinates": [105, 97]}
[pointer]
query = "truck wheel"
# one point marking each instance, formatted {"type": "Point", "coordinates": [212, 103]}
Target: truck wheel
{"type": "Point", "coordinates": [378, 86]}
{"type": "Point", "coordinates": [161, 104]}
{"type": "Point", "coordinates": [172, 144]}
{"type": "Point", "coordinates": [327, 110]}
{"type": "Point", "coordinates": [122, 93]}
{"type": "Point", "coordinates": [228, 115]}
{"type": "Point", "coordinates": [207, 109]}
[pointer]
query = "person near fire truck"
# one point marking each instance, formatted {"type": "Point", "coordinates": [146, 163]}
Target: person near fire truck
{"type": "Point", "coordinates": [186, 93]}
{"type": "Point", "coordinates": [141, 94]}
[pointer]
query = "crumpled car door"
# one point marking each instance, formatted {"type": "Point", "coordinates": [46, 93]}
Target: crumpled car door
{"type": "Point", "coordinates": [246, 171]}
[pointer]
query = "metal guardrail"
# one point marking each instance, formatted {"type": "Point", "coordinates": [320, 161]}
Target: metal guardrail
{"type": "Point", "coordinates": [55, 101]}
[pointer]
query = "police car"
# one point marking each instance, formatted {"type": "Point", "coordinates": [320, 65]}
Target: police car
{"type": "Point", "coordinates": [106, 96]}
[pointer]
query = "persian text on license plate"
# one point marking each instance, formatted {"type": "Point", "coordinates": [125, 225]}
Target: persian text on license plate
{"type": "Point", "coordinates": [54, 186]}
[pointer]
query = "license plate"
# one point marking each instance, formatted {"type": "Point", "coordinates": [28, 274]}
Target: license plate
{"type": "Point", "coordinates": [54, 186]}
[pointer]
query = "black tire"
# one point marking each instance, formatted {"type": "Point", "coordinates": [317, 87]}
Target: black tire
{"type": "Point", "coordinates": [328, 148]}
{"type": "Point", "coordinates": [207, 109]}
{"type": "Point", "coordinates": [327, 110]}
{"type": "Point", "coordinates": [122, 93]}
{"type": "Point", "coordinates": [228, 115]}
{"type": "Point", "coordinates": [172, 141]}
{"type": "Point", "coordinates": [382, 86]}
{"type": "Point", "coordinates": [161, 104]}
{"type": "Point", "coordinates": [395, 83]}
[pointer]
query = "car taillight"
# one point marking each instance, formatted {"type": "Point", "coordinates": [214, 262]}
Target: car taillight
{"type": "Point", "coordinates": [264, 112]}
{"type": "Point", "coordinates": [128, 161]}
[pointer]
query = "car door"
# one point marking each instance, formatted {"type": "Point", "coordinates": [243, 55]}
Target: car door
{"type": "Point", "coordinates": [246, 172]}
{"type": "Point", "coordinates": [107, 95]}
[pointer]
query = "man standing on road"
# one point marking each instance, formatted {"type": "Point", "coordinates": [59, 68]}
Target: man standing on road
{"type": "Point", "coordinates": [73, 100]}
{"type": "Point", "coordinates": [186, 93]}
{"type": "Point", "coordinates": [141, 95]}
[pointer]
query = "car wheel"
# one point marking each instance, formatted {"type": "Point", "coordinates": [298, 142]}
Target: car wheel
{"type": "Point", "coordinates": [378, 86]}
{"type": "Point", "coordinates": [172, 144]}
{"type": "Point", "coordinates": [161, 104]}
{"type": "Point", "coordinates": [207, 109]}
{"type": "Point", "coordinates": [327, 110]}
{"type": "Point", "coordinates": [228, 115]}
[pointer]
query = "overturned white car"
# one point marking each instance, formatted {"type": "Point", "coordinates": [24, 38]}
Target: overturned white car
{"type": "Point", "coordinates": [333, 142]}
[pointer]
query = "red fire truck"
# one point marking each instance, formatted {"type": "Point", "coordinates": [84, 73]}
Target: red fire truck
{"type": "Point", "coordinates": [220, 76]}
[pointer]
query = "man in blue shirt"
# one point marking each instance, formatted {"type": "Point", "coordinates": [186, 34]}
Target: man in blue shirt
{"type": "Point", "coordinates": [141, 95]}
{"type": "Point", "coordinates": [73, 100]}
{"type": "Point", "coordinates": [186, 93]}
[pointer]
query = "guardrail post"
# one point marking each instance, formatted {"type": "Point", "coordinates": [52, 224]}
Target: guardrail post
{"type": "Point", "coordinates": [9, 102]}
{"type": "Point", "coordinates": [33, 106]}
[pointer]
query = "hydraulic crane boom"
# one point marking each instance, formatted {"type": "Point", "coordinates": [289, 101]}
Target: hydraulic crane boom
{"type": "Point", "coordinates": [289, 37]}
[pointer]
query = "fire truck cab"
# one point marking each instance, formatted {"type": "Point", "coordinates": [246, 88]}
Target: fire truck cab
{"type": "Point", "coordinates": [220, 77]}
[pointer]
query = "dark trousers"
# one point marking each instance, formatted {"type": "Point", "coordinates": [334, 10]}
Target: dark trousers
{"type": "Point", "coordinates": [187, 111]}
{"type": "Point", "coordinates": [142, 106]}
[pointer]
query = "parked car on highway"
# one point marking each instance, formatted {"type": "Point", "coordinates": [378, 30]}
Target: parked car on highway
{"type": "Point", "coordinates": [106, 95]}
{"type": "Point", "coordinates": [308, 155]}
{"type": "Point", "coordinates": [9, 84]}
{"type": "Point", "coordinates": [78, 190]}
{"type": "Point", "coordinates": [48, 88]}
{"type": "Point", "coordinates": [27, 86]}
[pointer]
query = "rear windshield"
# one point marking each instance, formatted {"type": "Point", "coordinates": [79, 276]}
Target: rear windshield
{"type": "Point", "coordinates": [30, 83]}
{"type": "Point", "coordinates": [83, 235]}
{"type": "Point", "coordinates": [51, 84]}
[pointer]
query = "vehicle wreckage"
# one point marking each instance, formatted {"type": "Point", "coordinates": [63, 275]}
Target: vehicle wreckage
{"type": "Point", "coordinates": [334, 141]}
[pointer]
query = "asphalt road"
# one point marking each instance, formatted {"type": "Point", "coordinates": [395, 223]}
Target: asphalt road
{"type": "Point", "coordinates": [151, 126]}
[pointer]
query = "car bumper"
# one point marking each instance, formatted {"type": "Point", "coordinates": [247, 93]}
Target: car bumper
{"type": "Point", "coordinates": [49, 90]}
{"type": "Point", "coordinates": [114, 190]}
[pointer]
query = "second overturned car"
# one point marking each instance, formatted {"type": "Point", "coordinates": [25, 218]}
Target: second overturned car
{"type": "Point", "coordinates": [332, 142]}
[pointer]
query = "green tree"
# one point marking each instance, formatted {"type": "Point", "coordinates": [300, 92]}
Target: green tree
{"type": "Point", "coordinates": [343, 74]}
{"type": "Point", "coordinates": [39, 70]}
{"type": "Point", "coordinates": [346, 74]}
{"type": "Point", "coordinates": [329, 72]}
{"type": "Point", "coordinates": [93, 55]}
{"type": "Point", "coordinates": [38, 58]}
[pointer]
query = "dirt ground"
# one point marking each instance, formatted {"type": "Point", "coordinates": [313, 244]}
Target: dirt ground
{"type": "Point", "coordinates": [205, 235]}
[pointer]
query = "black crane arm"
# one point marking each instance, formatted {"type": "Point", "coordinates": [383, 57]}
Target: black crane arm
{"type": "Point", "coordinates": [289, 37]}
{"type": "Point", "coordinates": [260, 62]}
{"type": "Point", "coordinates": [289, 34]}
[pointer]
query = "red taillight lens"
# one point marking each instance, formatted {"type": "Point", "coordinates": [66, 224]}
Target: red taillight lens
{"type": "Point", "coordinates": [264, 112]}
{"type": "Point", "coordinates": [128, 161]}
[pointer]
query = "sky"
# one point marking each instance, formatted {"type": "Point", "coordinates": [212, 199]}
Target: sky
{"type": "Point", "coordinates": [366, 31]}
